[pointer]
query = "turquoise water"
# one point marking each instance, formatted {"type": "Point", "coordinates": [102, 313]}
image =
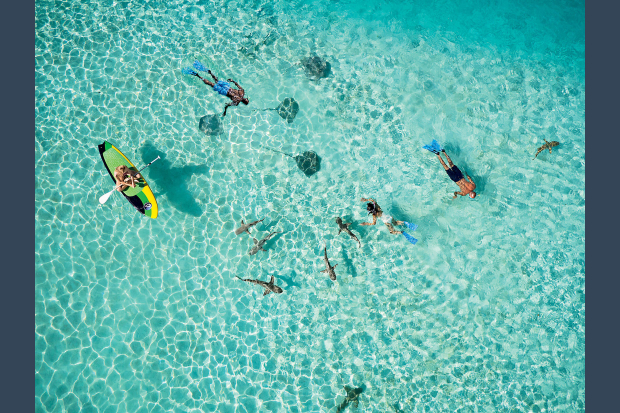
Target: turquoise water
{"type": "Point", "coordinates": [486, 313]}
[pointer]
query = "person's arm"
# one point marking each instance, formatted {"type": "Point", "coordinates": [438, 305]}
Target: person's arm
{"type": "Point", "coordinates": [212, 75]}
{"type": "Point", "coordinates": [226, 108]}
{"type": "Point", "coordinates": [367, 200]}
{"type": "Point", "coordinates": [458, 193]}
{"type": "Point", "coordinates": [237, 84]}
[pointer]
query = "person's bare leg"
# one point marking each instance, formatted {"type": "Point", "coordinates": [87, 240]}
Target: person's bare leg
{"type": "Point", "coordinates": [392, 230]}
{"type": "Point", "coordinates": [442, 162]}
{"type": "Point", "coordinates": [449, 160]}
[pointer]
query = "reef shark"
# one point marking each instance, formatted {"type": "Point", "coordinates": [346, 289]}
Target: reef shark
{"type": "Point", "coordinates": [547, 145]}
{"type": "Point", "coordinates": [329, 270]}
{"type": "Point", "coordinates": [345, 228]}
{"type": "Point", "coordinates": [270, 287]}
{"type": "Point", "coordinates": [246, 227]}
{"type": "Point", "coordinates": [258, 245]}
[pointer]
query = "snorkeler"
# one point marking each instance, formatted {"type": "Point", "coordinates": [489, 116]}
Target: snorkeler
{"type": "Point", "coordinates": [376, 211]}
{"type": "Point", "coordinates": [467, 185]}
{"type": "Point", "coordinates": [223, 88]}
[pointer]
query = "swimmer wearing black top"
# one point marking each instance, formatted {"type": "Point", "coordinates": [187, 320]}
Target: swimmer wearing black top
{"type": "Point", "coordinates": [457, 176]}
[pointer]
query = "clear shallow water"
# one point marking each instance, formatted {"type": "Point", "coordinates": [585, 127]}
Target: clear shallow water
{"type": "Point", "coordinates": [485, 313]}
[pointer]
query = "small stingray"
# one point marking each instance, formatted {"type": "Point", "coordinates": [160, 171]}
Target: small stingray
{"type": "Point", "coordinates": [316, 67]}
{"type": "Point", "coordinates": [309, 162]}
{"type": "Point", "coordinates": [211, 125]}
{"type": "Point", "coordinates": [287, 109]}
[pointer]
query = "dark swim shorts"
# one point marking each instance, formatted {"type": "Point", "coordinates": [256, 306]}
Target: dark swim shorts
{"type": "Point", "coordinates": [455, 173]}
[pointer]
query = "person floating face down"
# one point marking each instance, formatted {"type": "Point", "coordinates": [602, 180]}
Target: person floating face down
{"type": "Point", "coordinates": [236, 95]}
{"type": "Point", "coordinates": [125, 177]}
{"type": "Point", "coordinates": [467, 185]}
{"type": "Point", "coordinates": [374, 209]}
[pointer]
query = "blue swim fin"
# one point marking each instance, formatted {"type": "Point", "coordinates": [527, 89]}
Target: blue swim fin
{"type": "Point", "coordinates": [411, 226]}
{"type": "Point", "coordinates": [410, 238]}
{"type": "Point", "coordinates": [188, 71]}
{"type": "Point", "coordinates": [200, 66]}
{"type": "Point", "coordinates": [434, 147]}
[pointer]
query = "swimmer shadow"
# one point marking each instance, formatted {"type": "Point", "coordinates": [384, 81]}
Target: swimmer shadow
{"type": "Point", "coordinates": [353, 396]}
{"type": "Point", "coordinates": [174, 182]}
{"type": "Point", "coordinates": [289, 280]}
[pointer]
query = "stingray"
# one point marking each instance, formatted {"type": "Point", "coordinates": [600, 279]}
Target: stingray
{"type": "Point", "coordinates": [316, 67]}
{"type": "Point", "coordinates": [211, 125]}
{"type": "Point", "coordinates": [287, 109]}
{"type": "Point", "coordinates": [309, 162]}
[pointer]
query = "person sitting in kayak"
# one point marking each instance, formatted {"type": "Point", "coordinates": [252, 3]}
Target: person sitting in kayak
{"type": "Point", "coordinates": [223, 88]}
{"type": "Point", "coordinates": [125, 178]}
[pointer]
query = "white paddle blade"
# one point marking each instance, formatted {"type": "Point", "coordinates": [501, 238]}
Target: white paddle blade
{"type": "Point", "coordinates": [104, 198]}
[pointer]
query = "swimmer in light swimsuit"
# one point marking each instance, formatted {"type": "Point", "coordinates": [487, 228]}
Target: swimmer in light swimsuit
{"type": "Point", "coordinates": [374, 209]}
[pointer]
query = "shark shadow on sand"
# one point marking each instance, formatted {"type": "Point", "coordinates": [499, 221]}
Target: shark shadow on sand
{"type": "Point", "coordinates": [353, 396]}
{"type": "Point", "coordinates": [290, 280]}
{"type": "Point", "coordinates": [309, 162]}
{"type": "Point", "coordinates": [174, 182]}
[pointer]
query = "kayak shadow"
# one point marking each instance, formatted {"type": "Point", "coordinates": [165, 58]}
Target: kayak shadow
{"type": "Point", "coordinates": [173, 182]}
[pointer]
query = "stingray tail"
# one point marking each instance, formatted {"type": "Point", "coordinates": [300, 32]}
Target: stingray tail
{"type": "Point", "coordinates": [275, 150]}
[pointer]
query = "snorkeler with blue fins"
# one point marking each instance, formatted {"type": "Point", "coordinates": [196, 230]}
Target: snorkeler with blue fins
{"type": "Point", "coordinates": [467, 185]}
{"type": "Point", "coordinates": [223, 88]}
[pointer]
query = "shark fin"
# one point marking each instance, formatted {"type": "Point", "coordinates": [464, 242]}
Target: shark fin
{"type": "Point", "coordinates": [272, 281]}
{"type": "Point", "coordinates": [356, 403]}
{"type": "Point", "coordinates": [266, 292]}
{"type": "Point", "coordinates": [324, 270]}
{"type": "Point", "coordinates": [549, 149]}
{"type": "Point", "coordinates": [347, 389]}
{"type": "Point", "coordinates": [335, 266]}
{"type": "Point", "coordinates": [248, 231]}
{"type": "Point", "coordinates": [348, 225]}
{"type": "Point", "coordinates": [263, 249]}
{"type": "Point", "coordinates": [339, 231]}
{"type": "Point", "coordinates": [255, 241]}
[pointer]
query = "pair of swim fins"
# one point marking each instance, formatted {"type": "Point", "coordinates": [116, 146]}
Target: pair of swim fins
{"type": "Point", "coordinates": [407, 236]}
{"type": "Point", "coordinates": [434, 147]}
